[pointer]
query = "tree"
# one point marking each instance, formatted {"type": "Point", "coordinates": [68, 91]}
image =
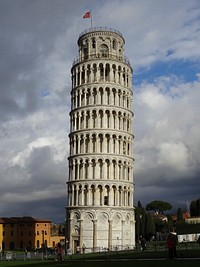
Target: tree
{"type": "Point", "coordinates": [159, 206]}
{"type": "Point", "coordinates": [179, 214]}
{"type": "Point", "coordinates": [150, 227]}
{"type": "Point", "coordinates": [139, 205]}
{"type": "Point", "coordinates": [138, 223]}
{"type": "Point", "coordinates": [198, 207]}
{"type": "Point", "coordinates": [187, 228]}
{"type": "Point", "coordinates": [170, 223]}
{"type": "Point", "coordinates": [143, 223]}
{"type": "Point", "coordinates": [138, 219]}
{"type": "Point", "coordinates": [158, 224]}
{"type": "Point", "coordinates": [193, 208]}
{"type": "Point", "coordinates": [139, 208]}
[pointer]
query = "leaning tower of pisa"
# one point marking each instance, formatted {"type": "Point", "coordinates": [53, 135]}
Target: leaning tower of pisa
{"type": "Point", "coordinates": [100, 213]}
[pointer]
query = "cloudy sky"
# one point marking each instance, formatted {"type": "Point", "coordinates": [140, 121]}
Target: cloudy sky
{"type": "Point", "coordinates": [38, 42]}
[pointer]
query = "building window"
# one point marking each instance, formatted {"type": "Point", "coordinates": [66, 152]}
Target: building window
{"type": "Point", "coordinates": [114, 44]}
{"type": "Point", "coordinates": [93, 43]}
{"type": "Point", "coordinates": [12, 245]}
{"type": "Point", "coordinates": [104, 50]}
{"type": "Point", "coordinates": [106, 200]}
{"type": "Point", "coordinates": [85, 49]}
{"type": "Point", "coordinates": [21, 244]}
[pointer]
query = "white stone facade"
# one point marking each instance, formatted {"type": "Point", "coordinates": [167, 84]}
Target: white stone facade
{"type": "Point", "coordinates": [100, 211]}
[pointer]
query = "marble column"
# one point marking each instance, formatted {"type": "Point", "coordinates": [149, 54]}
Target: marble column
{"type": "Point", "coordinates": [110, 235]}
{"type": "Point", "coordinates": [94, 235]}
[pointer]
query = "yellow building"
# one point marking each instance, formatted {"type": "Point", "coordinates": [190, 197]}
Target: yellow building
{"type": "Point", "coordinates": [1, 236]}
{"type": "Point", "coordinates": [27, 232]}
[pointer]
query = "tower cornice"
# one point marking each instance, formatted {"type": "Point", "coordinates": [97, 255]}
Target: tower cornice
{"type": "Point", "coordinates": [100, 30]}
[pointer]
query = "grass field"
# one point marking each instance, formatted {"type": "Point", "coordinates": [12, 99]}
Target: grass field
{"type": "Point", "coordinates": [108, 263]}
{"type": "Point", "coordinates": [186, 258]}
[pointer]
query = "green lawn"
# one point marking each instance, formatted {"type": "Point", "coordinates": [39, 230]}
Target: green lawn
{"type": "Point", "coordinates": [186, 258]}
{"type": "Point", "coordinates": [111, 263]}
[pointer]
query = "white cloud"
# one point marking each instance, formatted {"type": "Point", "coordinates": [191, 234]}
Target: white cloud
{"type": "Point", "coordinates": [173, 156]}
{"type": "Point", "coordinates": [167, 142]}
{"type": "Point", "coordinates": [152, 98]}
{"type": "Point", "coordinates": [22, 156]}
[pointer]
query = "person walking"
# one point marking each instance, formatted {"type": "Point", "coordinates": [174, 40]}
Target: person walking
{"type": "Point", "coordinates": [83, 248]}
{"type": "Point", "coordinates": [59, 251]}
{"type": "Point", "coordinates": [143, 244]}
{"type": "Point", "coordinates": [175, 240]}
{"type": "Point", "coordinates": [170, 246]}
{"type": "Point", "coordinates": [198, 240]}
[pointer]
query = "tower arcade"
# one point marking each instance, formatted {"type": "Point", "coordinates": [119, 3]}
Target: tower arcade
{"type": "Point", "coordinates": [100, 211]}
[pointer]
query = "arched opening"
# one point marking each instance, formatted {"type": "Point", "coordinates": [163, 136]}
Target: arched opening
{"type": "Point", "coordinates": [106, 196]}
{"type": "Point", "coordinates": [104, 50]}
{"type": "Point", "coordinates": [86, 168]}
{"type": "Point", "coordinates": [100, 161]}
{"type": "Point", "coordinates": [100, 143]}
{"type": "Point", "coordinates": [114, 44]}
{"type": "Point", "coordinates": [85, 49]}
{"type": "Point", "coordinates": [100, 195]}
{"type": "Point", "coordinates": [107, 72]}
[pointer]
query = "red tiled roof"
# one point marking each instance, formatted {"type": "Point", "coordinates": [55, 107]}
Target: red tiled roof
{"type": "Point", "coordinates": [22, 219]}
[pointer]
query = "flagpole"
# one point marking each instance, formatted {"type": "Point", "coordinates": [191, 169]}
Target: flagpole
{"type": "Point", "coordinates": [91, 17]}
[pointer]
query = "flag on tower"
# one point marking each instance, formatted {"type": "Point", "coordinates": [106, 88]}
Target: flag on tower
{"type": "Point", "coordinates": [87, 15]}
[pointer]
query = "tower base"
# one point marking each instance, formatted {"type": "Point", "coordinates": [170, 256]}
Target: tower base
{"type": "Point", "coordinates": [96, 230]}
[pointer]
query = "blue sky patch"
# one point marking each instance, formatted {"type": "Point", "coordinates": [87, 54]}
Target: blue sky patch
{"type": "Point", "coordinates": [180, 68]}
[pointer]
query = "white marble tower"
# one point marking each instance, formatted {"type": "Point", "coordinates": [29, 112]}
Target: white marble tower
{"type": "Point", "coordinates": [100, 211]}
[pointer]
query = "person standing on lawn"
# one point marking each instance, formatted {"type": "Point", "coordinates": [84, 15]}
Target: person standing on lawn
{"type": "Point", "coordinates": [143, 244]}
{"type": "Point", "coordinates": [175, 239]}
{"type": "Point", "coordinates": [59, 251]}
{"type": "Point", "coordinates": [171, 245]}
